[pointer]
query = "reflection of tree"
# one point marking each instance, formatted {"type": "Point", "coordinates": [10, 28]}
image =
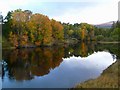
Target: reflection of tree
{"type": "Point", "coordinates": [58, 54]}
{"type": "Point", "coordinates": [112, 48]}
{"type": "Point", "coordinates": [41, 61]}
{"type": "Point", "coordinates": [45, 60]}
{"type": "Point", "coordinates": [82, 49]}
{"type": "Point", "coordinates": [24, 64]}
{"type": "Point", "coordinates": [17, 65]}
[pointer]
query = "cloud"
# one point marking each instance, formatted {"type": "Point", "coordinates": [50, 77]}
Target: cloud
{"type": "Point", "coordinates": [59, 8]}
{"type": "Point", "coordinates": [100, 13]}
{"type": "Point", "coordinates": [9, 5]}
{"type": "Point", "coordinates": [73, 11]}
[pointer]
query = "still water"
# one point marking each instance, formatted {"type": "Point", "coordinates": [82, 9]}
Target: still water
{"type": "Point", "coordinates": [55, 67]}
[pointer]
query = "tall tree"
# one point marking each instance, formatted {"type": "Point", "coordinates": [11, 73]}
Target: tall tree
{"type": "Point", "coordinates": [43, 29]}
{"type": "Point", "coordinates": [57, 31]}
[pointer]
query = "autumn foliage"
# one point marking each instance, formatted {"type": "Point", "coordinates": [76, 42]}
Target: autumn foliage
{"type": "Point", "coordinates": [27, 29]}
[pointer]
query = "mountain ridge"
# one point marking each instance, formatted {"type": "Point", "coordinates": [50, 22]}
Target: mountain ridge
{"type": "Point", "coordinates": [105, 25]}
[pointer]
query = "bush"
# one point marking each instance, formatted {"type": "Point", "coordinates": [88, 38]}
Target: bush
{"type": "Point", "coordinates": [99, 37]}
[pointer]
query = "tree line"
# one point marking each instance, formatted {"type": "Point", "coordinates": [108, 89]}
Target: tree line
{"type": "Point", "coordinates": [87, 32]}
{"type": "Point", "coordinates": [23, 28]}
{"type": "Point", "coordinates": [108, 34]}
{"type": "Point", "coordinates": [82, 31]}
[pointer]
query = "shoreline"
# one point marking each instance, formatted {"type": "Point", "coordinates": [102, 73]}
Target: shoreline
{"type": "Point", "coordinates": [108, 42]}
{"type": "Point", "coordinates": [64, 43]}
{"type": "Point", "coordinates": [104, 80]}
{"type": "Point", "coordinates": [60, 44]}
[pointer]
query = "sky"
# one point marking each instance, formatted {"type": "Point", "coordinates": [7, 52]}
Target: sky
{"type": "Point", "coordinates": [68, 11]}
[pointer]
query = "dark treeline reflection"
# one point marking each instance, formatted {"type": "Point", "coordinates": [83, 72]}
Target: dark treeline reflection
{"type": "Point", "coordinates": [25, 64]}
{"type": "Point", "coordinates": [81, 49]}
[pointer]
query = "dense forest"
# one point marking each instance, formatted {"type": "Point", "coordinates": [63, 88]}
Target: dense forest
{"type": "Point", "coordinates": [84, 31]}
{"type": "Point", "coordinates": [22, 28]}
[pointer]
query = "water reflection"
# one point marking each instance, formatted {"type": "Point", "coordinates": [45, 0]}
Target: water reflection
{"type": "Point", "coordinates": [25, 63]}
{"type": "Point", "coordinates": [51, 66]}
{"type": "Point", "coordinates": [81, 49]}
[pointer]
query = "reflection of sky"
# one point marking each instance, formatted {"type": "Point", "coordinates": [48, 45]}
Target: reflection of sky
{"type": "Point", "coordinates": [0, 62]}
{"type": "Point", "coordinates": [0, 75]}
{"type": "Point", "coordinates": [72, 70]}
{"type": "Point", "coordinates": [0, 83]}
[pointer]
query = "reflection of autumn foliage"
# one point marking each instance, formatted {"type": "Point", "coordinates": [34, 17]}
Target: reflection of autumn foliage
{"type": "Point", "coordinates": [41, 63]}
{"type": "Point", "coordinates": [24, 64]}
{"type": "Point", "coordinates": [12, 56]}
{"type": "Point", "coordinates": [21, 72]}
{"type": "Point", "coordinates": [45, 60]}
{"type": "Point", "coordinates": [57, 54]}
{"type": "Point", "coordinates": [83, 49]}
{"type": "Point", "coordinates": [23, 55]}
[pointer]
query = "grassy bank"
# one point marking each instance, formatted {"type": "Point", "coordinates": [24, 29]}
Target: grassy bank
{"type": "Point", "coordinates": [108, 42]}
{"type": "Point", "coordinates": [108, 79]}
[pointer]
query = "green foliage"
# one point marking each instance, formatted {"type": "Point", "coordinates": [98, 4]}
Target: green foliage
{"type": "Point", "coordinates": [100, 37]}
{"type": "Point", "coordinates": [81, 31]}
{"type": "Point", "coordinates": [112, 34]}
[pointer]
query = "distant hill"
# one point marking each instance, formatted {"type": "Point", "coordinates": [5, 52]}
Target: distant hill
{"type": "Point", "coordinates": [105, 25]}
